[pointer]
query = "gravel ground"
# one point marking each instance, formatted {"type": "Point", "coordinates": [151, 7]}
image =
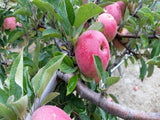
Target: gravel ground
{"type": "Point", "coordinates": [147, 96]}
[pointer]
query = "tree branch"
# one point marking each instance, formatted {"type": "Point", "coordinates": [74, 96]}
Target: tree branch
{"type": "Point", "coordinates": [106, 105]}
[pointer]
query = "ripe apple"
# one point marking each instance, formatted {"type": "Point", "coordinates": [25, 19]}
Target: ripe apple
{"type": "Point", "coordinates": [116, 42]}
{"type": "Point", "coordinates": [91, 43]}
{"type": "Point", "coordinates": [110, 25]}
{"type": "Point", "coordinates": [115, 11]}
{"type": "Point", "coordinates": [49, 112]}
{"type": "Point", "coordinates": [10, 23]}
{"type": "Point", "coordinates": [84, 1]}
{"type": "Point", "coordinates": [158, 28]}
{"type": "Point", "coordinates": [135, 88]}
{"type": "Point", "coordinates": [122, 7]}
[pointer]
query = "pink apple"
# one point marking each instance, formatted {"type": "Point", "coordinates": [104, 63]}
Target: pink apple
{"type": "Point", "coordinates": [110, 99]}
{"type": "Point", "coordinates": [110, 25]}
{"type": "Point", "coordinates": [158, 28]}
{"type": "Point", "coordinates": [49, 112]}
{"type": "Point", "coordinates": [122, 7]}
{"type": "Point", "coordinates": [115, 11]}
{"type": "Point", "coordinates": [135, 88]}
{"type": "Point", "coordinates": [10, 23]}
{"type": "Point", "coordinates": [91, 43]}
{"type": "Point", "coordinates": [116, 42]}
{"type": "Point", "coordinates": [84, 1]}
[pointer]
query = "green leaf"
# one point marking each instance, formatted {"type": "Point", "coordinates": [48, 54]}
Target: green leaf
{"type": "Point", "coordinates": [22, 11]}
{"type": "Point", "coordinates": [154, 61]}
{"type": "Point", "coordinates": [65, 22]}
{"type": "Point", "coordinates": [97, 26]}
{"type": "Point", "coordinates": [150, 70]}
{"type": "Point", "coordinates": [14, 35]}
{"type": "Point", "coordinates": [103, 114]}
{"type": "Point", "coordinates": [47, 7]}
{"type": "Point", "coordinates": [144, 40]}
{"type": "Point", "coordinates": [85, 12]}
{"type": "Point", "coordinates": [50, 32]}
{"type": "Point", "coordinates": [156, 48]}
{"type": "Point", "coordinates": [83, 116]}
{"type": "Point", "coordinates": [72, 84]}
{"type": "Point", "coordinates": [112, 80]}
{"type": "Point", "coordinates": [98, 65]}
{"type": "Point", "coordinates": [34, 69]}
{"type": "Point", "coordinates": [70, 11]}
{"type": "Point", "coordinates": [3, 96]}
{"type": "Point", "coordinates": [67, 65]}
{"type": "Point", "coordinates": [20, 106]}
{"type": "Point", "coordinates": [7, 113]}
{"type": "Point", "coordinates": [50, 97]}
{"type": "Point", "coordinates": [143, 69]}
{"type": "Point", "coordinates": [44, 75]}
{"type": "Point", "coordinates": [16, 77]}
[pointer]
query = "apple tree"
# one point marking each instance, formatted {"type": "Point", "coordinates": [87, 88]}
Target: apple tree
{"type": "Point", "coordinates": [63, 53]}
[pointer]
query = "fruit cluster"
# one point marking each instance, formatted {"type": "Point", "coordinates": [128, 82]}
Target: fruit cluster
{"type": "Point", "coordinates": [92, 42]}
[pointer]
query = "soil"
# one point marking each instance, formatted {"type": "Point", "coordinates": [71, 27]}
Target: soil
{"type": "Point", "coordinates": [147, 96]}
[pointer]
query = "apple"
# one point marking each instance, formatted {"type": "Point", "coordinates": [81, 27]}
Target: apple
{"type": "Point", "coordinates": [158, 28]}
{"type": "Point", "coordinates": [115, 11]}
{"type": "Point", "coordinates": [110, 25]}
{"type": "Point", "coordinates": [10, 23]}
{"type": "Point", "coordinates": [49, 112]}
{"type": "Point", "coordinates": [84, 1]}
{"type": "Point", "coordinates": [122, 7]}
{"type": "Point", "coordinates": [91, 43]}
{"type": "Point", "coordinates": [135, 88]}
{"type": "Point", "coordinates": [116, 42]}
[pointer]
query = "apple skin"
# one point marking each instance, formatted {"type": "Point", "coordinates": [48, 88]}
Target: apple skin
{"type": "Point", "coordinates": [91, 43]}
{"type": "Point", "coordinates": [10, 23]}
{"type": "Point", "coordinates": [122, 7]}
{"type": "Point", "coordinates": [84, 1]}
{"type": "Point", "coordinates": [110, 25]}
{"type": "Point", "coordinates": [117, 44]}
{"type": "Point", "coordinates": [49, 112]}
{"type": "Point", "coordinates": [115, 11]}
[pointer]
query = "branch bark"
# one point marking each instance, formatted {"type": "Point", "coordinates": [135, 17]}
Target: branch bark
{"type": "Point", "coordinates": [110, 107]}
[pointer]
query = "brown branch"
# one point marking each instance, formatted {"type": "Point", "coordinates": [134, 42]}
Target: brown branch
{"type": "Point", "coordinates": [154, 36]}
{"type": "Point", "coordinates": [136, 10]}
{"type": "Point", "coordinates": [110, 107]}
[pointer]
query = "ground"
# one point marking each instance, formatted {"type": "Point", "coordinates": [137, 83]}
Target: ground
{"type": "Point", "coordinates": [147, 96]}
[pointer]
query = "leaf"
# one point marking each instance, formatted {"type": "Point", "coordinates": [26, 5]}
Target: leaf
{"type": "Point", "coordinates": [22, 11]}
{"type": "Point", "coordinates": [97, 26]}
{"type": "Point", "coordinates": [156, 49]}
{"type": "Point", "coordinates": [34, 69]}
{"type": "Point", "coordinates": [85, 12]}
{"type": "Point", "coordinates": [44, 75]}
{"type": "Point", "coordinates": [50, 32]}
{"type": "Point", "coordinates": [72, 84]}
{"type": "Point", "coordinates": [67, 65]}
{"type": "Point", "coordinates": [49, 97]}
{"type": "Point", "coordinates": [103, 114]}
{"type": "Point", "coordinates": [47, 7]}
{"type": "Point", "coordinates": [144, 40]}
{"type": "Point", "coordinates": [21, 106]}
{"type": "Point", "coordinates": [7, 113]}
{"type": "Point", "coordinates": [98, 65]}
{"type": "Point", "coordinates": [143, 69]}
{"type": "Point", "coordinates": [150, 70]}
{"type": "Point", "coordinates": [70, 11]}
{"type": "Point", "coordinates": [16, 77]}
{"type": "Point", "coordinates": [154, 61]}
{"type": "Point", "coordinates": [83, 116]}
{"type": "Point", "coordinates": [3, 96]}
{"type": "Point", "coordinates": [14, 35]}
{"type": "Point", "coordinates": [112, 80]}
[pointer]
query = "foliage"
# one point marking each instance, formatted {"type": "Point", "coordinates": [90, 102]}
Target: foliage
{"type": "Point", "coordinates": [31, 54]}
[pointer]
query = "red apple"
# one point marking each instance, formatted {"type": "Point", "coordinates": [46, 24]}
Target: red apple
{"type": "Point", "coordinates": [115, 11]}
{"type": "Point", "coordinates": [122, 7]}
{"type": "Point", "coordinates": [135, 88]}
{"type": "Point", "coordinates": [91, 43]}
{"type": "Point", "coordinates": [158, 28]}
{"type": "Point", "coordinates": [10, 23]}
{"type": "Point", "coordinates": [110, 25]}
{"type": "Point", "coordinates": [49, 112]}
{"type": "Point", "coordinates": [84, 1]}
{"type": "Point", "coordinates": [116, 42]}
